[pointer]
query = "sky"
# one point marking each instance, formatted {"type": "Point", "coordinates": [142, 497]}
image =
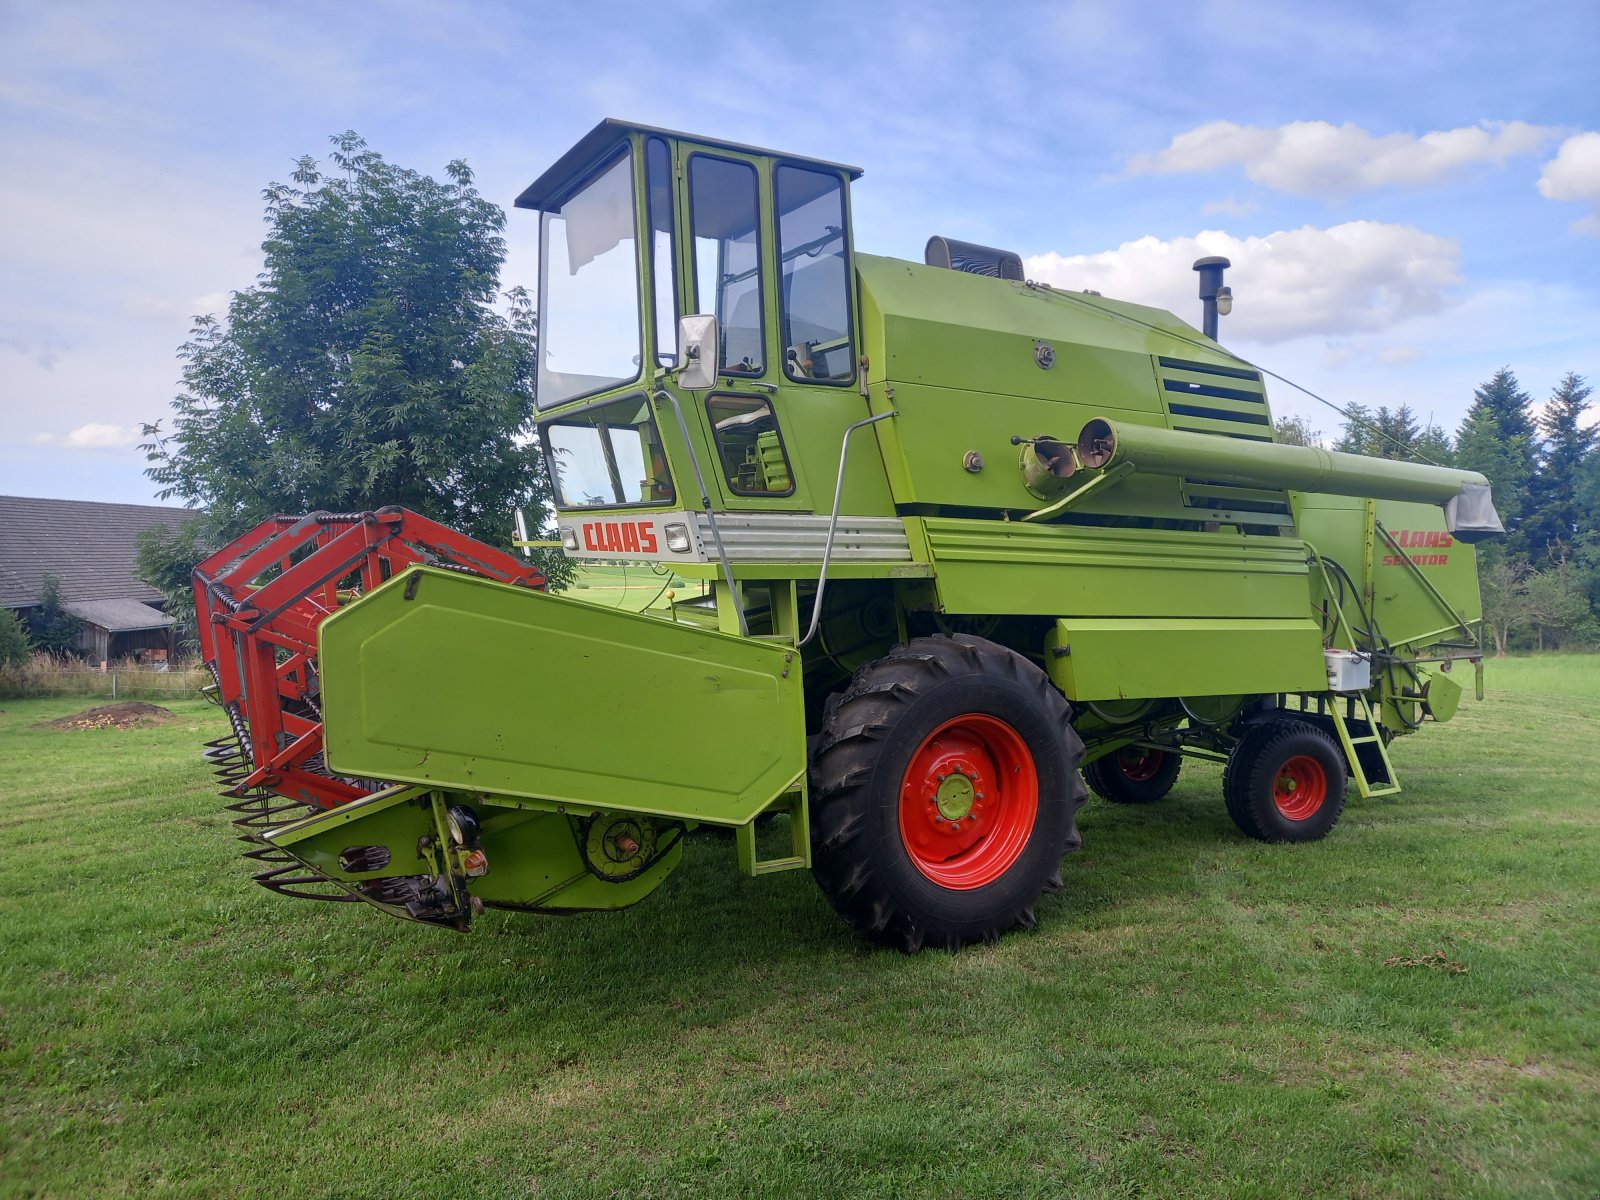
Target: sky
{"type": "Point", "coordinates": [1409, 193]}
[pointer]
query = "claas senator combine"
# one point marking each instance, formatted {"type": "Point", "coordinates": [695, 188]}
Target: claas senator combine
{"type": "Point", "coordinates": [965, 543]}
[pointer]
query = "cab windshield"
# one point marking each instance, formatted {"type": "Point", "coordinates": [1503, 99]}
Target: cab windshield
{"type": "Point", "coordinates": [589, 325]}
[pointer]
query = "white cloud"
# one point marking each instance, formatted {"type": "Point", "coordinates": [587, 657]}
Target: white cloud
{"type": "Point", "coordinates": [94, 436]}
{"type": "Point", "coordinates": [1574, 174]}
{"type": "Point", "coordinates": [1396, 355]}
{"type": "Point", "coordinates": [1362, 276]}
{"type": "Point", "coordinates": [1308, 158]}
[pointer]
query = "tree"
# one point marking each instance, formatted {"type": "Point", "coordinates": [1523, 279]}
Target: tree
{"type": "Point", "coordinates": [1555, 606]}
{"type": "Point", "coordinates": [165, 559]}
{"type": "Point", "coordinates": [1433, 445]}
{"type": "Point", "coordinates": [15, 645]}
{"type": "Point", "coordinates": [50, 626]}
{"type": "Point", "coordinates": [1296, 431]}
{"type": "Point", "coordinates": [1357, 435]}
{"type": "Point", "coordinates": [1556, 518]}
{"type": "Point", "coordinates": [1397, 431]}
{"type": "Point", "coordinates": [1503, 586]}
{"type": "Point", "coordinates": [1392, 433]}
{"type": "Point", "coordinates": [367, 366]}
{"type": "Point", "coordinates": [1497, 439]}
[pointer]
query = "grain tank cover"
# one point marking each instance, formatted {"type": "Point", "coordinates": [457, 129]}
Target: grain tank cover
{"type": "Point", "coordinates": [973, 258]}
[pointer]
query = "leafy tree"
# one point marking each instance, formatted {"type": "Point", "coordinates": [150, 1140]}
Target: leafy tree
{"type": "Point", "coordinates": [50, 626]}
{"type": "Point", "coordinates": [166, 558]}
{"type": "Point", "coordinates": [1557, 518]}
{"type": "Point", "coordinates": [15, 645]}
{"type": "Point", "coordinates": [367, 366]}
{"type": "Point", "coordinates": [1503, 586]}
{"type": "Point", "coordinates": [1553, 603]}
{"type": "Point", "coordinates": [1297, 431]}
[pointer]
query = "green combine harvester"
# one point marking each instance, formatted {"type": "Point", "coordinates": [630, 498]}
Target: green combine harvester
{"type": "Point", "coordinates": [968, 542]}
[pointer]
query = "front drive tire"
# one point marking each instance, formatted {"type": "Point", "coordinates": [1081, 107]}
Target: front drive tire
{"type": "Point", "coordinates": [1285, 782]}
{"type": "Point", "coordinates": [945, 787]}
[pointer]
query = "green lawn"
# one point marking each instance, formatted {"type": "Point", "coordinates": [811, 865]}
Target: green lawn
{"type": "Point", "coordinates": [633, 586]}
{"type": "Point", "coordinates": [1196, 1015]}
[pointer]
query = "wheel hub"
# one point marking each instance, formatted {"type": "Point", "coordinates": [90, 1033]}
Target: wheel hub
{"type": "Point", "coordinates": [956, 796]}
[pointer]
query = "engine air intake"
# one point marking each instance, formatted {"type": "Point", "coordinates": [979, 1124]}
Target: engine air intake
{"type": "Point", "coordinates": [973, 258]}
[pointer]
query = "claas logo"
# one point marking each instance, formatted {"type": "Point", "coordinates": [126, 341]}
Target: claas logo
{"type": "Point", "coordinates": [1424, 540]}
{"type": "Point", "coordinates": [620, 537]}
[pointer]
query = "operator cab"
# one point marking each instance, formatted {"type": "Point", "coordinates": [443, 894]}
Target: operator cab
{"type": "Point", "coordinates": [642, 226]}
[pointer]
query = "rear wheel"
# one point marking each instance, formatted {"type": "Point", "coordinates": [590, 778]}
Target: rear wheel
{"type": "Point", "coordinates": [944, 788]}
{"type": "Point", "coordinates": [1133, 775]}
{"type": "Point", "coordinates": [1285, 782]}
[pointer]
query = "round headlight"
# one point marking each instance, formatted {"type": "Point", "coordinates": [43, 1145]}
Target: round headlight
{"type": "Point", "coordinates": [463, 824]}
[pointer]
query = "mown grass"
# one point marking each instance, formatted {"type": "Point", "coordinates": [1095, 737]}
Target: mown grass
{"type": "Point", "coordinates": [1196, 1015]}
{"type": "Point", "coordinates": [633, 586]}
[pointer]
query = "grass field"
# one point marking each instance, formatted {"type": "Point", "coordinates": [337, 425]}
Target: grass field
{"type": "Point", "coordinates": [1196, 1015]}
{"type": "Point", "coordinates": [633, 586]}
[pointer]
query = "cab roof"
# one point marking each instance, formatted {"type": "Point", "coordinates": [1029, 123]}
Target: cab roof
{"type": "Point", "coordinates": [596, 145]}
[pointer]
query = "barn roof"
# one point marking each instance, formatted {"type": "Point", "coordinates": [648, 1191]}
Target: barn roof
{"type": "Point", "coordinates": [88, 545]}
{"type": "Point", "coordinates": [119, 616]}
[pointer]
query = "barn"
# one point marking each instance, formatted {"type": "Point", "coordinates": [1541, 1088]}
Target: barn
{"type": "Point", "coordinates": [90, 547]}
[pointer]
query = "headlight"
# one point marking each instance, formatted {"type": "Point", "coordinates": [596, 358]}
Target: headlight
{"type": "Point", "coordinates": [678, 538]}
{"type": "Point", "coordinates": [463, 824]}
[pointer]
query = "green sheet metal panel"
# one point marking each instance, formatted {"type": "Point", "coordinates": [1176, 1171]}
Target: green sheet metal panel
{"type": "Point", "coordinates": [1406, 609]}
{"type": "Point", "coordinates": [450, 680]}
{"type": "Point", "coordinates": [1010, 567]}
{"type": "Point", "coordinates": [1110, 659]}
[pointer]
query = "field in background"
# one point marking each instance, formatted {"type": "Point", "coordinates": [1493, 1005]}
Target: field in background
{"type": "Point", "coordinates": [1196, 1014]}
{"type": "Point", "coordinates": [634, 586]}
{"type": "Point", "coordinates": [46, 676]}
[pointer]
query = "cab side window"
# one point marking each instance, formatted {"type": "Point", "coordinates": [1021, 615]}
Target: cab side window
{"type": "Point", "coordinates": [727, 256]}
{"type": "Point", "coordinates": [815, 283]}
{"type": "Point", "coordinates": [754, 461]}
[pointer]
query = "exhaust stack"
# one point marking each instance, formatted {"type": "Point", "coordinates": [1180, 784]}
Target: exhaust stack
{"type": "Point", "coordinates": [1217, 299]}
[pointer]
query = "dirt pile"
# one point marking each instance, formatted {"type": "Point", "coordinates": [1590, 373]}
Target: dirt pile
{"type": "Point", "coordinates": [126, 714]}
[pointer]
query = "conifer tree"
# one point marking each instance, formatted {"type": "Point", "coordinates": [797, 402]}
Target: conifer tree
{"type": "Point", "coordinates": [1556, 518]}
{"type": "Point", "coordinates": [1497, 438]}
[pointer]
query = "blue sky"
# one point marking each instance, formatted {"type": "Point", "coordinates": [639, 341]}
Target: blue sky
{"type": "Point", "coordinates": [1410, 192]}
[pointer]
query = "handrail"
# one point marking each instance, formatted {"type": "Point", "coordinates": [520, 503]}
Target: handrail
{"type": "Point", "coordinates": [711, 516]}
{"type": "Point", "coordinates": [833, 523]}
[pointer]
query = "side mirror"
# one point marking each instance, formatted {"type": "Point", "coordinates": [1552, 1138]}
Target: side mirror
{"type": "Point", "coordinates": [699, 348]}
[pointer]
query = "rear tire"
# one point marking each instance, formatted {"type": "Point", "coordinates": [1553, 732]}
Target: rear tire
{"type": "Point", "coordinates": [1285, 782]}
{"type": "Point", "coordinates": [944, 792]}
{"type": "Point", "coordinates": [1133, 775]}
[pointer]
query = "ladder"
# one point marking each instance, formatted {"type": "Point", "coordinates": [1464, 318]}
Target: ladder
{"type": "Point", "coordinates": [1388, 785]}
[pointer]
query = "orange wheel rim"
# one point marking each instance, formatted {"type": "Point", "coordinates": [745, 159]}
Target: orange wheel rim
{"type": "Point", "coordinates": [1300, 788]}
{"type": "Point", "coordinates": [968, 801]}
{"type": "Point", "coordinates": [1140, 765]}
